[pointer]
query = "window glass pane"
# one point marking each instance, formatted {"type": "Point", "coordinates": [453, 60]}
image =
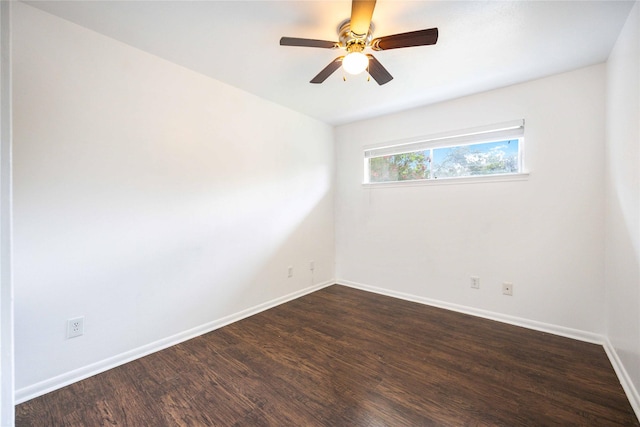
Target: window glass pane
{"type": "Point", "coordinates": [400, 167]}
{"type": "Point", "coordinates": [476, 159]}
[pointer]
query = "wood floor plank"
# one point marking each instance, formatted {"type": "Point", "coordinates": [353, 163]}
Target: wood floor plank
{"type": "Point", "coordinates": [345, 357]}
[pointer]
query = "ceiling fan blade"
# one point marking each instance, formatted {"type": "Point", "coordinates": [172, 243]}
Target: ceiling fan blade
{"type": "Point", "coordinates": [413, 38]}
{"type": "Point", "coordinates": [294, 41]}
{"type": "Point", "coordinates": [378, 72]}
{"type": "Point", "coordinates": [361, 13]}
{"type": "Point", "coordinates": [328, 70]}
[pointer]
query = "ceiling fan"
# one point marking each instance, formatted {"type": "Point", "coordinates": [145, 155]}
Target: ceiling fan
{"type": "Point", "coordinates": [355, 35]}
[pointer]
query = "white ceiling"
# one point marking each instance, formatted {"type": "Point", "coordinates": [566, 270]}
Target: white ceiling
{"type": "Point", "coordinates": [483, 45]}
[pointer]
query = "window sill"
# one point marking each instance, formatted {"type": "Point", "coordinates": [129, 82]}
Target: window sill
{"type": "Point", "coordinates": [449, 181]}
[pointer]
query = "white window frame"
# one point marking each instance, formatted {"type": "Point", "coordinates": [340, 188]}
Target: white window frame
{"type": "Point", "coordinates": [483, 134]}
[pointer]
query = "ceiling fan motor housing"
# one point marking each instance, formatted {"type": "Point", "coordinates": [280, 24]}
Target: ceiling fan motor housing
{"type": "Point", "coordinates": [348, 38]}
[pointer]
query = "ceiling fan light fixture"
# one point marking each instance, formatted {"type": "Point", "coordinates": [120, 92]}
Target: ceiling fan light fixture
{"type": "Point", "coordinates": [355, 62]}
{"type": "Point", "coordinates": [355, 35]}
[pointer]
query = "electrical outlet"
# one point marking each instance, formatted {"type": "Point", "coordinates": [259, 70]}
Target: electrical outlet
{"type": "Point", "coordinates": [507, 288]}
{"type": "Point", "coordinates": [290, 271]}
{"type": "Point", "coordinates": [475, 282]}
{"type": "Point", "coordinates": [75, 327]}
{"type": "Point", "coordinates": [312, 265]}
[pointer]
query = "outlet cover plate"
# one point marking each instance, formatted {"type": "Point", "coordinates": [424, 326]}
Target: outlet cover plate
{"type": "Point", "coordinates": [507, 288]}
{"type": "Point", "coordinates": [475, 282]}
{"type": "Point", "coordinates": [75, 327]}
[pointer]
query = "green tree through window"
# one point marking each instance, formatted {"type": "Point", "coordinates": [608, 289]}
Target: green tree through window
{"type": "Point", "coordinates": [477, 159]}
{"type": "Point", "coordinates": [400, 167]}
{"type": "Point", "coordinates": [488, 158]}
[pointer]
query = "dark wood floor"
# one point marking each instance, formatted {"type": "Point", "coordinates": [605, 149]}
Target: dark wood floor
{"type": "Point", "coordinates": [344, 357]}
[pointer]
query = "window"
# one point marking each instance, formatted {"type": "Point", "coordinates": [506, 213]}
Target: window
{"type": "Point", "coordinates": [489, 150]}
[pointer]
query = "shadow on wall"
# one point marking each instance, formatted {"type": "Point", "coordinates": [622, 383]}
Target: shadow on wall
{"type": "Point", "coordinates": [141, 275]}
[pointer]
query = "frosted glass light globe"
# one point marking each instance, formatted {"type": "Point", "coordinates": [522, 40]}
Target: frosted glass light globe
{"type": "Point", "coordinates": [355, 62]}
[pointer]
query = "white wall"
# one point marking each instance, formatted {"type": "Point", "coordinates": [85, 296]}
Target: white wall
{"type": "Point", "coordinates": [622, 268]}
{"type": "Point", "coordinates": [544, 234]}
{"type": "Point", "coordinates": [6, 288]}
{"type": "Point", "coordinates": [149, 199]}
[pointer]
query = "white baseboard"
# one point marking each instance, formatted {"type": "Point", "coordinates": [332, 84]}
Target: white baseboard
{"type": "Point", "coordinates": [51, 384]}
{"type": "Point", "coordinates": [627, 385]}
{"type": "Point", "coordinates": [38, 389]}
{"type": "Point", "coordinates": [625, 380]}
{"type": "Point", "coordinates": [504, 318]}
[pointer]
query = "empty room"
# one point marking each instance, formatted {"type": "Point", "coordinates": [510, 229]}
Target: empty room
{"type": "Point", "coordinates": [320, 213]}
